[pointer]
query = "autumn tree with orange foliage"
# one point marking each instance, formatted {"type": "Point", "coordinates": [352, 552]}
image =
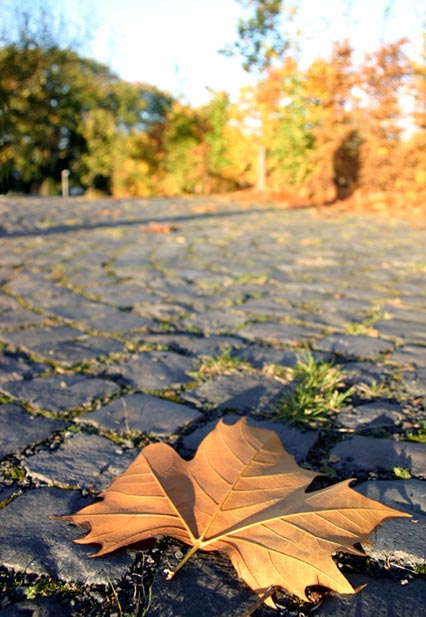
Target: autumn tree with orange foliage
{"type": "Point", "coordinates": [414, 149]}
{"type": "Point", "coordinates": [330, 102]}
{"type": "Point", "coordinates": [382, 78]}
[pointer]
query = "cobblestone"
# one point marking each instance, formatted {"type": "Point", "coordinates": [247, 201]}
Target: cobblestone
{"type": "Point", "coordinates": [131, 320]}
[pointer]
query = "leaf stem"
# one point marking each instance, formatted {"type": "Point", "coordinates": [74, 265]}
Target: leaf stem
{"type": "Point", "coordinates": [183, 561]}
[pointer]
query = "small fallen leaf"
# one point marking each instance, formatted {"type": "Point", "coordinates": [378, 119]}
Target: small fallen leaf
{"type": "Point", "coordinates": [244, 495]}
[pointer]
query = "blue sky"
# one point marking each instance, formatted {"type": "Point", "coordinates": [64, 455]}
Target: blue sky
{"type": "Point", "coordinates": [173, 44]}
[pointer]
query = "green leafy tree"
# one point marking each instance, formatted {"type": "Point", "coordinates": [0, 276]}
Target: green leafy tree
{"type": "Point", "coordinates": [139, 156]}
{"type": "Point", "coordinates": [260, 39]}
{"type": "Point", "coordinates": [185, 152]}
{"type": "Point", "coordinates": [44, 93]}
{"type": "Point", "coordinates": [287, 133]}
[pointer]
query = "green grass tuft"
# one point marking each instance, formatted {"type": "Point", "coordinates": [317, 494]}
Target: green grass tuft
{"type": "Point", "coordinates": [317, 391]}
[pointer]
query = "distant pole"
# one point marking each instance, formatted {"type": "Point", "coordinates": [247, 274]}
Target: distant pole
{"type": "Point", "coordinates": [65, 184]}
{"type": "Point", "coordinates": [261, 168]}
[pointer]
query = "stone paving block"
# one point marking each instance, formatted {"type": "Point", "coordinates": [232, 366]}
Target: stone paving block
{"type": "Point", "coordinates": [59, 393]}
{"type": "Point", "coordinates": [277, 333]}
{"type": "Point", "coordinates": [265, 307]}
{"type": "Point", "coordinates": [371, 415]}
{"type": "Point", "coordinates": [40, 607]}
{"type": "Point", "coordinates": [57, 296]}
{"type": "Point", "coordinates": [409, 355]}
{"type": "Point", "coordinates": [380, 598]}
{"type": "Point", "coordinates": [125, 296]}
{"type": "Point", "coordinates": [350, 306]}
{"type": "Point", "coordinates": [367, 453]}
{"type": "Point", "coordinates": [401, 540]}
{"type": "Point", "coordinates": [103, 318]}
{"type": "Point", "coordinates": [33, 338]}
{"type": "Point", "coordinates": [163, 311]}
{"type": "Point", "coordinates": [14, 367]}
{"type": "Point", "coordinates": [402, 331]}
{"type": "Point", "coordinates": [84, 461]}
{"type": "Point", "coordinates": [415, 382]}
{"type": "Point", "coordinates": [259, 357]}
{"type": "Point", "coordinates": [296, 442]}
{"type": "Point", "coordinates": [358, 347]}
{"type": "Point", "coordinates": [367, 373]}
{"type": "Point", "coordinates": [154, 370]}
{"type": "Point", "coordinates": [410, 315]}
{"type": "Point", "coordinates": [143, 413]}
{"type": "Point", "coordinates": [207, 585]}
{"type": "Point", "coordinates": [413, 298]}
{"type": "Point", "coordinates": [120, 324]}
{"type": "Point", "coordinates": [6, 492]}
{"type": "Point", "coordinates": [195, 345]}
{"type": "Point", "coordinates": [14, 314]}
{"type": "Point", "coordinates": [300, 292]}
{"type": "Point", "coordinates": [64, 344]}
{"type": "Point", "coordinates": [215, 321]}
{"type": "Point", "coordinates": [83, 310]}
{"type": "Point", "coordinates": [244, 393]}
{"type": "Point", "coordinates": [20, 429]}
{"type": "Point", "coordinates": [336, 319]}
{"type": "Point", "coordinates": [32, 542]}
{"type": "Point", "coordinates": [80, 350]}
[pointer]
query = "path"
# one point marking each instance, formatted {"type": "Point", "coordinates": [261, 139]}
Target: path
{"type": "Point", "coordinates": [109, 308]}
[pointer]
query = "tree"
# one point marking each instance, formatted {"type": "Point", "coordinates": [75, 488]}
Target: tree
{"type": "Point", "coordinates": [139, 159]}
{"type": "Point", "coordinates": [413, 154]}
{"type": "Point", "coordinates": [382, 78]}
{"type": "Point", "coordinates": [44, 95]}
{"type": "Point", "coordinates": [260, 39]}
{"type": "Point", "coordinates": [287, 136]}
{"type": "Point", "coordinates": [44, 86]}
{"type": "Point", "coordinates": [330, 105]}
{"type": "Point", "coordinates": [60, 110]}
{"type": "Point", "coordinates": [42, 23]}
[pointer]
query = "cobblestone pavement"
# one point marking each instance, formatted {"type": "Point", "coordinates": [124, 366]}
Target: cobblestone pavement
{"type": "Point", "coordinates": [123, 322]}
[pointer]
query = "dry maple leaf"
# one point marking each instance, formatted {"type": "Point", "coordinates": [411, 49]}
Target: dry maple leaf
{"type": "Point", "coordinates": [241, 494]}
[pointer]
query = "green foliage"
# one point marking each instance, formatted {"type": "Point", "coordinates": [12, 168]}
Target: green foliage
{"type": "Point", "coordinates": [327, 130]}
{"type": "Point", "coordinates": [225, 363]}
{"type": "Point", "coordinates": [400, 473]}
{"type": "Point", "coordinates": [184, 157]}
{"type": "Point", "coordinates": [366, 325]}
{"type": "Point", "coordinates": [291, 141]}
{"type": "Point", "coordinates": [12, 472]}
{"type": "Point", "coordinates": [317, 390]}
{"type": "Point", "coordinates": [45, 94]}
{"type": "Point", "coordinates": [419, 436]}
{"type": "Point", "coordinates": [49, 586]}
{"type": "Point", "coordinates": [259, 37]}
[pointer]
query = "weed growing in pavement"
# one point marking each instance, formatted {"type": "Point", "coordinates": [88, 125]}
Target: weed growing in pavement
{"type": "Point", "coordinates": [46, 587]}
{"type": "Point", "coordinates": [366, 325]}
{"type": "Point", "coordinates": [225, 363]}
{"type": "Point", "coordinates": [419, 436]}
{"type": "Point", "coordinates": [400, 473]}
{"type": "Point", "coordinates": [316, 391]}
{"type": "Point", "coordinates": [376, 389]}
{"type": "Point", "coordinates": [420, 569]}
{"type": "Point", "coordinates": [11, 471]}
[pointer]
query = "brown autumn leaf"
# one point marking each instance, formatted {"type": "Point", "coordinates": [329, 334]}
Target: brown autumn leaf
{"type": "Point", "coordinates": [241, 494]}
